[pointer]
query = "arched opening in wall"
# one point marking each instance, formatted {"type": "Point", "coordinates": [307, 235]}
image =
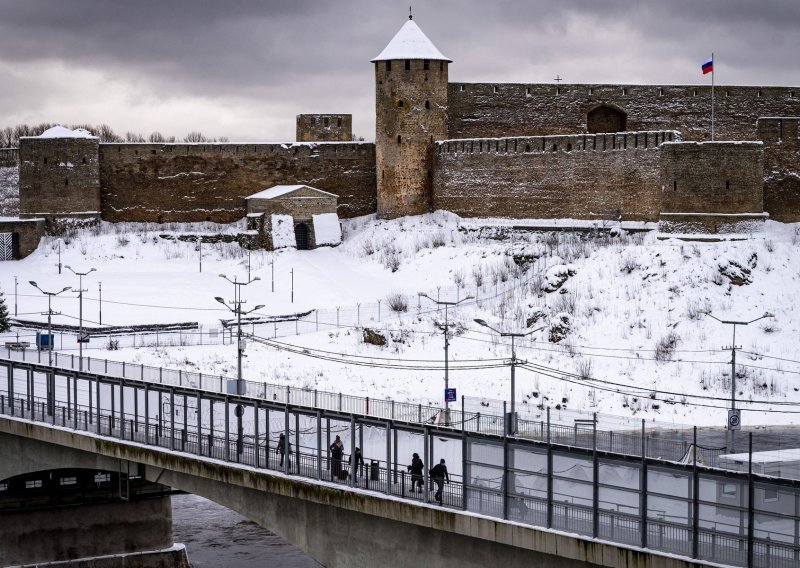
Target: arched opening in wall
{"type": "Point", "coordinates": [399, 104]}
{"type": "Point", "coordinates": [428, 105]}
{"type": "Point", "coordinates": [398, 139]}
{"type": "Point", "coordinates": [208, 218]}
{"type": "Point", "coordinates": [301, 235]}
{"type": "Point", "coordinates": [605, 118]}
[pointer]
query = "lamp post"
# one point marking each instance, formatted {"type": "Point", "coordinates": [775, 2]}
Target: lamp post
{"type": "Point", "coordinates": [81, 338]}
{"type": "Point", "coordinates": [237, 309]}
{"type": "Point", "coordinates": [734, 422]}
{"type": "Point", "coordinates": [50, 375]}
{"type": "Point", "coordinates": [511, 420]}
{"type": "Point", "coordinates": [445, 329]}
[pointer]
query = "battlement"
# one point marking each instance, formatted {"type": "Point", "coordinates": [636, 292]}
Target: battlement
{"type": "Point", "coordinates": [324, 127]}
{"type": "Point", "coordinates": [562, 143]}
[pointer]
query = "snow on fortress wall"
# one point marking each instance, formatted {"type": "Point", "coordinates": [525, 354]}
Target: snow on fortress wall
{"type": "Point", "coordinates": [583, 176]}
{"type": "Point", "coordinates": [198, 182]}
{"type": "Point", "coordinates": [503, 109]}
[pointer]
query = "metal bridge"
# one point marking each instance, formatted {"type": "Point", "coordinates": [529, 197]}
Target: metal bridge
{"type": "Point", "coordinates": [620, 488]}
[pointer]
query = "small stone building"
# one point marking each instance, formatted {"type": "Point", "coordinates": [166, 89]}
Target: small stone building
{"type": "Point", "coordinates": [302, 203]}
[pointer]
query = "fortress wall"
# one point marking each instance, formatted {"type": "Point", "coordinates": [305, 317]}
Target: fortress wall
{"type": "Point", "coordinates": [59, 177]}
{"type": "Point", "coordinates": [489, 109]}
{"type": "Point", "coordinates": [197, 182]}
{"type": "Point", "coordinates": [580, 176]}
{"type": "Point", "coordinates": [712, 177]}
{"type": "Point", "coordinates": [781, 137]}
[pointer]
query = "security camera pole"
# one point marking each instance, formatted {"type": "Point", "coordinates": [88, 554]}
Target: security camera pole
{"type": "Point", "coordinates": [446, 328]}
{"type": "Point", "coordinates": [511, 420]}
{"type": "Point", "coordinates": [733, 415]}
{"type": "Point", "coordinates": [81, 338]}
{"type": "Point", "coordinates": [50, 374]}
{"type": "Point", "coordinates": [240, 345]}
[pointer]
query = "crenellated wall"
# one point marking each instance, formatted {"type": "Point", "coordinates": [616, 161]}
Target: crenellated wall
{"type": "Point", "coordinates": [588, 176]}
{"type": "Point", "coordinates": [506, 109]}
{"type": "Point", "coordinates": [198, 182]}
{"type": "Point", "coordinates": [781, 137]}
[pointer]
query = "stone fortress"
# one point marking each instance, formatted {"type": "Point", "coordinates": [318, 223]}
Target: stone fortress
{"type": "Point", "coordinates": [534, 151]}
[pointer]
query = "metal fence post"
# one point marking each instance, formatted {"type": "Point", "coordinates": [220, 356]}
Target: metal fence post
{"type": "Point", "coordinates": [595, 481]}
{"type": "Point", "coordinates": [425, 451]}
{"type": "Point", "coordinates": [695, 498]}
{"type": "Point", "coordinates": [227, 452]}
{"type": "Point", "coordinates": [464, 469]}
{"type": "Point", "coordinates": [255, 433]}
{"type": "Point", "coordinates": [286, 437]}
{"type": "Point", "coordinates": [388, 457]}
{"type": "Point", "coordinates": [319, 444]}
{"type": "Point", "coordinates": [750, 496]}
{"type": "Point", "coordinates": [505, 463]}
{"type": "Point", "coordinates": [146, 414]}
{"type": "Point", "coordinates": [172, 418]}
{"type": "Point", "coordinates": [549, 474]}
{"type": "Point", "coordinates": [199, 424]}
{"type": "Point", "coordinates": [643, 495]}
{"type": "Point", "coordinates": [352, 450]}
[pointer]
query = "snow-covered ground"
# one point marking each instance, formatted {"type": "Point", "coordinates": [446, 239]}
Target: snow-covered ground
{"type": "Point", "coordinates": [622, 316]}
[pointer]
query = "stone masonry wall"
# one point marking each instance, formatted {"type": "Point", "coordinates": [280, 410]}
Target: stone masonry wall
{"type": "Point", "coordinates": [324, 127]}
{"type": "Point", "coordinates": [712, 177]}
{"type": "Point", "coordinates": [580, 177]}
{"type": "Point", "coordinates": [59, 177]}
{"type": "Point", "coordinates": [9, 157]}
{"type": "Point", "coordinates": [781, 137]}
{"type": "Point", "coordinates": [197, 182]}
{"type": "Point", "coordinates": [490, 110]}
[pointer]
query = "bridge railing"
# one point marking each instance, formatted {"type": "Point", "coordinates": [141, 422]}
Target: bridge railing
{"type": "Point", "coordinates": [735, 519]}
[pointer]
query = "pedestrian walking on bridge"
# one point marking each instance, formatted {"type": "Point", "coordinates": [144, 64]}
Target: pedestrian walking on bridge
{"type": "Point", "coordinates": [439, 476]}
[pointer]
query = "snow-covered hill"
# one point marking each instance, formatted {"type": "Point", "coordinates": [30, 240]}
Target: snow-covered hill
{"type": "Point", "coordinates": [622, 315]}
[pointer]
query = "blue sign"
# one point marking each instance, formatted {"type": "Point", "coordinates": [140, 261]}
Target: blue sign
{"type": "Point", "coordinates": [449, 395]}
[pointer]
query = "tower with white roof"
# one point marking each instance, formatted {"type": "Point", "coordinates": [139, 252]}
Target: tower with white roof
{"type": "Point", "coordinates": [411, 112]}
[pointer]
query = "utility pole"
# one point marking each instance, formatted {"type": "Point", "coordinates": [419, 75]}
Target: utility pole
{"type": "Point", "coordinates": [200, 250]}
{"type": "Point", "coordinates": [81, 338]}
{"type": "Point", "coordinates": [734, 416]}
{"type": "Point", "coordinates": [15, 296]}
{"type": "Point", "coordinates": [511, 419]}
{"type": "Point", "coordinates": [100, 290]}
{"type": "Point", "coordinates": [50, 375]}
{"type": "Point", "coordinates": [240, 346]}
{"type": "Point", "coordinates": [446, 330]}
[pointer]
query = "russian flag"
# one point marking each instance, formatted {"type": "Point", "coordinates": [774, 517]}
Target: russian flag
{"type": "Point", "coordinates": [708, 66]}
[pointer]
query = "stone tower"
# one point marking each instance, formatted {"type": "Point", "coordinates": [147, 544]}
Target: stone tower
{"type": "Point", "coordinates": [411, 112]}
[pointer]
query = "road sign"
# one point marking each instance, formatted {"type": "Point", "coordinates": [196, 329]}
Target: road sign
{"type": "Point", "coordinates": [83, 338]}
{"type": "Point", "coordinates": [449, 395]}
{"type": "Point", "coordinates": [734, 420]}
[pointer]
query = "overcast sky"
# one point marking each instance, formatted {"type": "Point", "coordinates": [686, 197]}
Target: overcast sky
{"type": "Point", "coordinates": [244, 69]}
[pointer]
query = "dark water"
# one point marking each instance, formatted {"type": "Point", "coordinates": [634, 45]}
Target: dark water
{"type": "Point", "coordinates": [215, 536]}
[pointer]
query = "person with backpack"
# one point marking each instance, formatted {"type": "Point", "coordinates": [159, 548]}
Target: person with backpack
{"type": "Point", "coordinates": [416, 468]}
{"type": "Point", "coordinates": [439, 475]}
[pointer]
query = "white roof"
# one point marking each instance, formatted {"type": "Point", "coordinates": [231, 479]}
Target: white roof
{"type": "Point", "coordinates": [61, 132]}
{"type": "Point", "coordinates": [771, 456]}
{"type": "Point", "coordinates": [278, 190]}
{"type": "Point", "coordinates": [410, 43]}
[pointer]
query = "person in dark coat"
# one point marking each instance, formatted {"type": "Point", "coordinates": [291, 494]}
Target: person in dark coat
{"type": "Point", "coordinates": [416, 468]}
{"type": "Point", "coordinates": [337, 453]}
{"type": "Point", "coordinates": [282, 449]}
{"type": "Point", "coordinates": [439, 476]}
{"type": "Point", "coordinates": [359, 463]}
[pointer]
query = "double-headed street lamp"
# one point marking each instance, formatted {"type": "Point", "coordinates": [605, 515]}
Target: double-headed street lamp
{"type": "Point", "coordinates": [511, 419]}
{"type": "Point", "coordinates": [237, 309]}
{"type": "Point", "coordinates": [446, 329]}
{"type": "Point", "coordinates": [734, 420]}
{"type": "Point", "coordinates": [81, 338]}
{"type": "Point", "coordinates": [51, 400]}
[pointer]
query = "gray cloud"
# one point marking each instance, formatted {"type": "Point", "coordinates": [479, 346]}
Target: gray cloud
{"type": "Point", "coordinates": [244, 68]}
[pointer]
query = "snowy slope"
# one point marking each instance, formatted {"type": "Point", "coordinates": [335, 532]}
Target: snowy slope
{"type": "Point", "coordinates": [620, 313]}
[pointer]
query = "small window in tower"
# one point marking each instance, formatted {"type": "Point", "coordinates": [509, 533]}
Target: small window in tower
{"type": "Point", "coordinates": [462, 88]}
{"type": "Point", "coordinates": [624, 92]}
{"type": "Point", "coordinates": [313, 121]}
{"type": "Point", "coordinates": [496, 89]}
{"type": "Point", "coordinates": [388, 66]}
{"type": "Point", "coordinates": [45, 160]}
{"type": "Point", "coordinates": [695, 92]}
{"type": "Point", "coordinates": [558, 90]}
{"type": "Point", "coordinates": [426, 64]}
{"type": "Point", "coordinates": [727, 184]}
{"type": "Point", "coordinates": [527, 90]}
{"type": "Point", "coordinates": [555, 147]}
{"type": "Point", "coordinates": [661, 92]}
{"type": "Point", "coordinates": [400, 104]}
{"type": "Point", "coordinates": [339, 122]}
{"type": "Point", "coordinates": [326, 121]}
{"type": "Point", "coordinates": [398, 139]}
{"type": "Point", "coordinates": [569, 147]}
{"type": "Point", "coordinates": [441, 66]}
{"type": "Point", "coordinates": [66, 182]}
{"type": "Point", "coordinates": [428, 104]}
{"type": "Point", "coordinates": [759, 93]}
{"type": "Point", "coordinates": [727, 93]}
{"type": "Point", "coordinates": [527, 147]}
{"type": "Point", "coordinates": [675, 185]}
{"type": "Point", "coordinates": [591, 91]}
{"type": "Point", "coordinates": [408, 65]}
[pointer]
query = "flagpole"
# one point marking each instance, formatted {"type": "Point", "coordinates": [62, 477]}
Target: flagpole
{"type": "Point", "coordinates": [712, 96]}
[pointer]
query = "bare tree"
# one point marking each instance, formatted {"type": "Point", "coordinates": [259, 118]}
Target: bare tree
{"type": "Point", "coordinates": [156, 136]}
{"type": "Point", "coordinates": [195, 136]}
{"type": "Point", "coordinates": [133, 137]}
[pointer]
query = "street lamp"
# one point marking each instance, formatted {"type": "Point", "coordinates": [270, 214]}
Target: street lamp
{"type": "Point", "coordinates": [445, 328]}
{"type": "Point", "coordinates": [81, 338]}
{"type": "Point", "coordinates": [237, 309]}
{"type": "Point", "coordinates": [511, 419]}
{"type": "Point", "coordinates": [51, 400]}
{"type": "Point", "coordinates": [734, 420]}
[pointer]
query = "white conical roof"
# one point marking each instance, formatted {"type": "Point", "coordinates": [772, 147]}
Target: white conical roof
{"type": "Point", "coordinates": [411, 43]}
